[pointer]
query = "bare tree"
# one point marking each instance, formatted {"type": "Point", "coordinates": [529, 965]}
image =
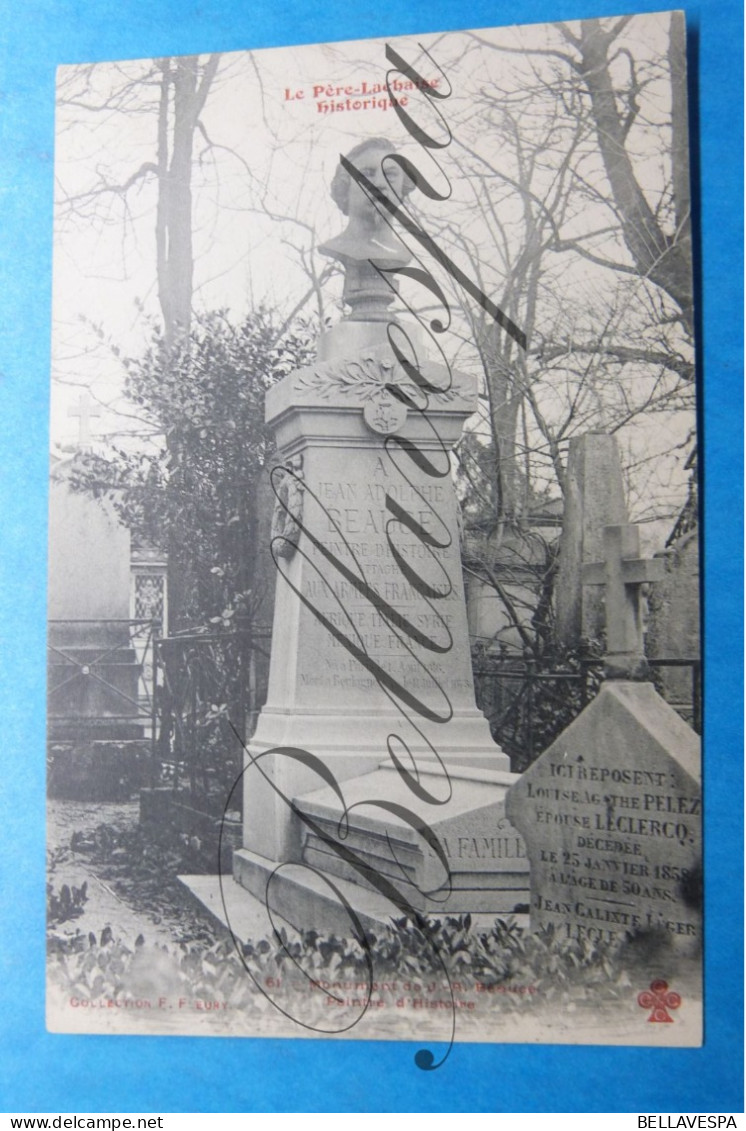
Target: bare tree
{"type": "Point", "coordinates": [583, 241]}
{"type": "Point", "coordinates": [170, 95]}
{"type": "Point", "coordinates": [184, 87]}
{"type": "Point", "coordinates": [577, 175]}
{"type": "Point", "coordinates": [659, 240]}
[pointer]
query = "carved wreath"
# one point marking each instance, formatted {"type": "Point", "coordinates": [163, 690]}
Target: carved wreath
{"type": "Point", "coordinates": [366, 378]}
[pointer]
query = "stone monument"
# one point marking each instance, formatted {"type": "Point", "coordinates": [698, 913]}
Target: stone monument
{"type": "Point", "coordinates": [611, 812]}
{"type": "Point", "coordinates": [594, 498]}
{"type": "Point", "coordinates": [371, 762]}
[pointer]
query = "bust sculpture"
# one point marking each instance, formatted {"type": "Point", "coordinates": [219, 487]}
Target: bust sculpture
{"type": "Point", "coordinates": [368, 245]}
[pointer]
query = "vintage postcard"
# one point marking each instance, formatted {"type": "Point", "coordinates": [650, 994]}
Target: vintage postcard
{"type": "Point", "coordinates": [374, 678]}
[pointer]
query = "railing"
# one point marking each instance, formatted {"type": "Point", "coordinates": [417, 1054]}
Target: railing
{"type": "Point", "coordinates": [206, 691]}
{"type": "Point", "coordinates": [101, 670]}
{"type": "Point", "coordinates": [190, 691]}
{"type": "Point", "coordinates": [529, 706]}
{"type": "Point", "coordinates": [691, 709]}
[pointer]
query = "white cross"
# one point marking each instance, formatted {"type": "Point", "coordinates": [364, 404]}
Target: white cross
{"type": "Point", "coordinates": [84, 409]}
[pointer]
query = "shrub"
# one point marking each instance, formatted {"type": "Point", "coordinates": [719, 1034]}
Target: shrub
{"type": "Point", "coordinates": [565, 973]}
{"type": "Point", "coordinates": [66, 904]}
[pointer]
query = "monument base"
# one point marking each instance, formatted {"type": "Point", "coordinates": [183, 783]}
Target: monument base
{"type": "Point", "coordinates": [301, 899]}
{"type": "Point", "coordinates": [231, 906]}
{"type": "Point", "coordinates": [350, 747]}
{"type": "Point", "coordinates": [355, 739]}
{"type": "Point", "coordinates": [454, 856]}
{"type": "Point", "coordinates": [303, 896]}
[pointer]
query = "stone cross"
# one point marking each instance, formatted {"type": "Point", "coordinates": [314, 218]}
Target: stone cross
{"type": "Point", "coordinates": [622, 573]}
{"type": "Point", "coordinates": [594, 498]}
{"type": "Point", "coordinates": [84, 409]}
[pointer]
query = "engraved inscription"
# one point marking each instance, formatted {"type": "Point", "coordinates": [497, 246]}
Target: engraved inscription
{"type": "Point", "coordinates": [615, 848]}
{"type": "Point", "coordinates": [359, 530]}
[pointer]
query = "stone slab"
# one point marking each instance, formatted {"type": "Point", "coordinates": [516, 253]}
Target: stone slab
{"type": "Point", "coordinates": [303, 897]}
{"type": "Point", "coordinates": [89, 555]}
{"type": "Point", "coordinates": [82, 731]}
{"type": "Point", "coordinates": [611, 817]}
{"type": "Point", "coordinates": [232, 906]}
{"type": "Point", "coordinates": [487, 866]}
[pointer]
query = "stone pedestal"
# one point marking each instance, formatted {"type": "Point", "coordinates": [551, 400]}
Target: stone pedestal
{"type": "Point", "coordinates": [485, 856]}
{"type": "Point", "coordinates": [370, 657]}
{"type": "Point", "coordinates": [479, 865]}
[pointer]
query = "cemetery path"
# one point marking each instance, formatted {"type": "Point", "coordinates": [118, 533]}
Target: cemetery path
{"type": "Point", "coordinates": [131, 900]}
{"type": "Point", "coordinates": [131, 897]}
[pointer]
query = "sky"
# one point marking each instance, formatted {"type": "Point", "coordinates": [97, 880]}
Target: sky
{"type": "Point", "coordinates": [268, 143]}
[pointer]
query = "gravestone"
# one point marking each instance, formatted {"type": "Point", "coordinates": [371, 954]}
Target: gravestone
{"type": "Point", "coordinates": [594, 498]}
{"type": "Point", "coordinates": [94, 722]}
{"type": "Point", "coordinates": [611, 812]}
{"type": "Point", "coordinates": [89, 553]}
{"type": "Point", "coordinates": [371, 695]}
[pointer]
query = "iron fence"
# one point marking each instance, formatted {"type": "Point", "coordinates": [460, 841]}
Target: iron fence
{"type": "Point", "coordinates": [528, 705]}
{"type": "Point", "coordinates": [690, 709]}
{"type": "Point", "coordinates": [207, 689]}
{"type": "Point", "coordinates": [101, 671]}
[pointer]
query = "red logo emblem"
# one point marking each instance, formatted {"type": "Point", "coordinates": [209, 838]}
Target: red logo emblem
{"type": "Point", "coordinates": [659, 1000]}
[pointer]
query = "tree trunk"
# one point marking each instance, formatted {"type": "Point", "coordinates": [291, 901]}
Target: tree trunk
{"type": "Point", "coordinates": [666, 260]}
{"type": "Point", "coordinates": [184, 88]}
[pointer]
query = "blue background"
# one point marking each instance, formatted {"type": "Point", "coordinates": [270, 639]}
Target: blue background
{"type": "Point", "coordinates": [48, 1073]}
